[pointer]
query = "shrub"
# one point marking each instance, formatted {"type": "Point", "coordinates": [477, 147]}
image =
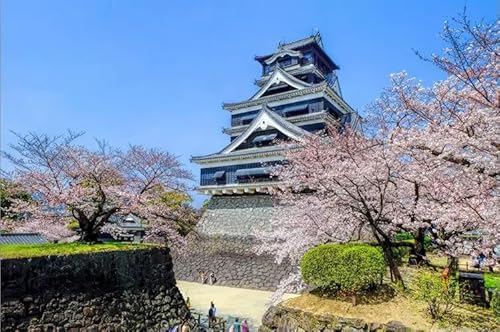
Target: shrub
{"type": "Point", "coordinates": [73, 225]}
{"type": "Point", "coordinates": [408, 237]}
{"type": "Point", "coordinates": [438, 294]}
{"type": "Point", "coordinates": [495, 303]}
{"type": "Point", "coordinates": [349, 268]}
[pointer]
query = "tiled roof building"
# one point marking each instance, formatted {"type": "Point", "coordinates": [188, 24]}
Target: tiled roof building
{"type": "Point", "coordinates": [298, 92]}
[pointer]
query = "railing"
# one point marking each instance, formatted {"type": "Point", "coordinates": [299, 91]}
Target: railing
{"type": "Point", "coordinates": [204, 323]}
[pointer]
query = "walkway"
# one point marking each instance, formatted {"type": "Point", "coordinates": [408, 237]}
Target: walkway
{"type": "Point", "coordinates": [246, 304]}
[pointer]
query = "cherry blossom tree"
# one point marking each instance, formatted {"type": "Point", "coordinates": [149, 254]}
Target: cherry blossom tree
{"type": "Point", "coordinates": [71, 182]}
{"type": "Point", "coordinates": [450, 134]}
{"type": "Point", "coordinates": [341, 187]}
{"type": "Point", "coordinates": [427, 163]}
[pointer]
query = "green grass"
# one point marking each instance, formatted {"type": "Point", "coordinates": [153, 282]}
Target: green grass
{"type": "Point", "coordinates": [60, 249]}
{"type": "Point", "coordinates": [492, 280]}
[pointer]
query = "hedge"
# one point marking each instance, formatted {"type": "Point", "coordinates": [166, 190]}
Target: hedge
{"type": "Point", "coordinates": [346, 267]}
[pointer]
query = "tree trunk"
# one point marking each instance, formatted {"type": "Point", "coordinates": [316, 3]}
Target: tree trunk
{"type": "Point", "coordinates": [419, 249]}
{"type": "Point", "coordinates": [452, 265]}
{"type": "Point", "coordinates": [88, 235]}
{"type": "Point", "coordinates": [393, 266]}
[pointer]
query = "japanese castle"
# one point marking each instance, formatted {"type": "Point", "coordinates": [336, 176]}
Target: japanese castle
{"type": "Point", "coordinates": [297, 94]}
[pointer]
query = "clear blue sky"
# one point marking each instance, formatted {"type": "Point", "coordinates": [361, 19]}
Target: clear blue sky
{"type": "Point", "coordinates": [156, 72]}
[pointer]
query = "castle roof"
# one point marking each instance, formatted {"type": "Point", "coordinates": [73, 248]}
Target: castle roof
{"type": "Point", "coordinates": [313, 40]}
{"type": "Point", "coordinates": [279, 76]}
{"type": "Point", "coordinates": [265, 118]}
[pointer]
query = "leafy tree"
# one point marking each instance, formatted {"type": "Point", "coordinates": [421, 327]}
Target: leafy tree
{"type": "Point", "coordinates": [439, 294]}
{"type": "Point", "coordinates": [9, 194]}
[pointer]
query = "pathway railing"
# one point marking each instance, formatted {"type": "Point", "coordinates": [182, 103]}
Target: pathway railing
{"type": "Point", "coordinates": [218, 324]}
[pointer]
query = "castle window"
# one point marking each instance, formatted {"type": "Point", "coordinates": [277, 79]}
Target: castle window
{"type": "Point", "coordinates": [219, 177]}
{"type": "Point", "coordinates": [264, 139]}
{"type": "Point", "coordinates": [295, 110]}
{"type": "Point", "coordinates": [249, 174]}
{"type": "Point", "coordinates": [247, 119]}
{"type": "Point", "coordinates": [308, 58]}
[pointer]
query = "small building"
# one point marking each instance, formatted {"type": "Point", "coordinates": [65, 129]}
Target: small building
{"type": "Point", "coordinates": [132, 229]}
{"type": "Point", "coordinates": [125, 228]}
{"type": "Point", "coordinates": [22, 238]}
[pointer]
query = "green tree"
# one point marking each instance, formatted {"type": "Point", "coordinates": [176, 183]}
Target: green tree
{"type": "Point", "coordinates": [9, 193]}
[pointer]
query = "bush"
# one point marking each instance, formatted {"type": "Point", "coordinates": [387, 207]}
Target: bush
{"type": "Point", "coordinates": [73, 225]}
{"type": "Point", "coordinates": [495, 303]}
{"type": "Point", "coordinates": [349, 268]}
{"type": "Point", "coordinates": [408, 237]}
{"type": "Point", "coordinates": [439, 295]}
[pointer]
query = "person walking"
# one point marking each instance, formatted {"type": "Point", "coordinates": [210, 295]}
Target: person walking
{"type": "Point", "coordinates": [244, 326]}
{"type": "Point", "coordinates": [212, 314]}
{"type": "Point", "coordinates": [236, 327]}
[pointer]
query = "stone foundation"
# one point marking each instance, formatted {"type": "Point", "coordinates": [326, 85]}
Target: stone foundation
{"type": "Point", "coordinates": [132, 290]}
{"type": "Point", "coordinates": [224, 244]}
{"type": "Point", "coordinates": [235, 269]}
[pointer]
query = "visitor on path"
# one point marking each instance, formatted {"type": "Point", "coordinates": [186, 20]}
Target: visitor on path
{"type": "Point", "coordinates": [211, 278]}
{"type": "Point", "coordinates": [236, 327]}
{"type": "Point", "coordinates": [244, 326]}
{"type": "Point", "coordinates": [188, 303]}
{"type": "Point", "coordinates": [212, 312]}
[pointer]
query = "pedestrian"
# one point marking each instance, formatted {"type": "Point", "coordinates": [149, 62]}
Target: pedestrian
{"type": "Point", "coordinates": [236, 325]}
{"type": "Point", "coordinates": [188, 303]}
{"type": "Point", "coordinates": [212, 314]}
{"type": "Point", "coordinates": [211, 278]}
{"type": "Point", "coordinates": [244, 326]}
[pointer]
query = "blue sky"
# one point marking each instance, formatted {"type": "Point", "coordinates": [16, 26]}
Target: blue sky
{"type": "Point", "coordinates": [156, 72]}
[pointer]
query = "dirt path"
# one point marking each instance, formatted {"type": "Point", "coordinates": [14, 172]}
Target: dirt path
{"type": "Point", "coordinates": [246, 304]}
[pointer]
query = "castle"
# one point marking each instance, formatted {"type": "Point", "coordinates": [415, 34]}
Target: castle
{"type": "Point", "coordinates": [298, 93]}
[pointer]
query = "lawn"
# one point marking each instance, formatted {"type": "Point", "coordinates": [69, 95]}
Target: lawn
{"type": "Point", "coordinates": [492, 280]}
{"type": "Point", "coordinates": [399, 307]}
{"type": "Point", "coordinates": [59, 249]}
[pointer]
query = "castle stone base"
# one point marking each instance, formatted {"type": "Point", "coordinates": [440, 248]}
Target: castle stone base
{"type": "Point", "coordinates": [223, 245]}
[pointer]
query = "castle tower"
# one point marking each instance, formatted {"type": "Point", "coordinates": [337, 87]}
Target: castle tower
{"type": "Point", "coordinates": [297, 93]}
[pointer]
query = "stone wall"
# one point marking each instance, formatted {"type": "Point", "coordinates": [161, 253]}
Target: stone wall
{"type": "Point", "coordinates": [224, 242]}
{"type": "Point", "coordinates": [236, 215]}
{"type": "Point", "coordinates": [231, 268]}
{"type": "Point", "coordinates": [132, 290]}
{"type": "Point", "coordinates": [282, 318]}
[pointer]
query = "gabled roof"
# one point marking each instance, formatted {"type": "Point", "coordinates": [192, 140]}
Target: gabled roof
{"type": "Point", "coordinates": [307, 69]}
{"type": "Point", "coordinates": [313, 41]}
{"type": "Point", "coordinates": [278, 76]}
{"type": "Point", "coordinates": [264, 119]}
{"type": "Point", "coordinates": [283, 53]}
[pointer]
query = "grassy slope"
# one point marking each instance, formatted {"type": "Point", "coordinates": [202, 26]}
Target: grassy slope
{"type": "Point", "coordinates": [58, 249]}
